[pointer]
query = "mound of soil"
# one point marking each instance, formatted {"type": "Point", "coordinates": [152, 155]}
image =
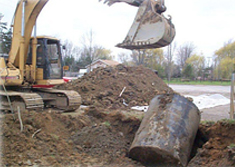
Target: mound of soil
{"type": "Point", "coordinates": [103, 86]}
{"type": "Point", "coordinates": [43, 140]}
{"type": "Point", "coordinates": [53, 139]}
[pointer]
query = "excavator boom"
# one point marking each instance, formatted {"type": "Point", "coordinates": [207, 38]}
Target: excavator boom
{"type": "Point", "coordinates": [31, 11]}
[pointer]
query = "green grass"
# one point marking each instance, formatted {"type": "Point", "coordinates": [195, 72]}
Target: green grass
{"type": "Point", "coordinates": [106, 123]}
{"type": "Point", "coordinates": [54, 136]}
{"type": "Point", "coordinates": [210, 123]}
{"type": "Point", "coordinates": [231, 146]}
{"type": "Point", "coordinates": [223, 121]}
{"type": "Point", "coordinates": [179, 82]}
{"type": "Point", "coordinates": [228, 121]}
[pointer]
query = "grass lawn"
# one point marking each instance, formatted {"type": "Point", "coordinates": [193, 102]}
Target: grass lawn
{"type": "Point", "coordinates": [179, 82]}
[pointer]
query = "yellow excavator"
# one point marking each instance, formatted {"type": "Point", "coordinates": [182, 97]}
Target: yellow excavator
{"type": "Point", "coordinates": [33, 67]}
{"type": "Point", "coordinates": [35, 64]}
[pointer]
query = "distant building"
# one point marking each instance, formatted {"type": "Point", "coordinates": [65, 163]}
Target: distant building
{"type": "Point", "coordinates": [101, 63]}
{"type": "Point", "coordinates": [77, 74]}
{"type": "Point", "coordinates": [81, 73]}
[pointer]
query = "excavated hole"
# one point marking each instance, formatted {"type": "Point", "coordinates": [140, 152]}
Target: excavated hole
{"type": "Point", "coordinates": [199, 141]}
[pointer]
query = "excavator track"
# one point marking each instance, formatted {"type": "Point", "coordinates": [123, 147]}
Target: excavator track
{"type": "Point", "coordinates": [40, 98]}
{"type": "Point", "coordinates": [23, 100]}
{"type": "Point", "coordinates": [66, 100]}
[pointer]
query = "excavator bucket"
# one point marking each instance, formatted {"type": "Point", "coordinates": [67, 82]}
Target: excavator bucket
{"type": "Point", "coordinates": [149, 29]}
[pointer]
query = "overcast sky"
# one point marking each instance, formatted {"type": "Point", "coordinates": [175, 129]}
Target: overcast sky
{"type": "Point", "coordinates": [206, 23]}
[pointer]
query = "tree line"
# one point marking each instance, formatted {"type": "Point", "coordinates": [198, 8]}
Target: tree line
{"type": "Point", "coordinates": [5, 37]}
{"type": "Point", "coordinates": [79, 57]}
{"type": "Point", "coordinates": [184, 62]}
{"type": "Point", "coordinates": [172, 62]}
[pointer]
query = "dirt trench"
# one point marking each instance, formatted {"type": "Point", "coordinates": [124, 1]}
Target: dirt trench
{"type": "Point", "coordinates": [94, 138]}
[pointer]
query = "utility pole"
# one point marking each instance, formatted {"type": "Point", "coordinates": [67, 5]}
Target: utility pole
{"type": "Point", "coordinates": [232, 97]}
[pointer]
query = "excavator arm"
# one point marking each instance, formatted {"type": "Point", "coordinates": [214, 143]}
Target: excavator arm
{"type": "Point", "coordinates": [161, 3]}
{"type": "Point", "coordinates": [150, 29]}
{"type": "Point", "coordinates": [130, 2]}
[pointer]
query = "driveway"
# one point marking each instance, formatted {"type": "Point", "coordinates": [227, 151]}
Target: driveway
{"type": "Point", "coordinates": [196, 90]}
{"type": "Point", "coordinates": [214, 113]}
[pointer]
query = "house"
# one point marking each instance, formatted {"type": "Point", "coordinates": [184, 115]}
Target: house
{"type": "Point", "coordinates": [69, 76]}
{"type": "Point", "coordinates": [81, 73]}
{"type": "Point", "coordinates": [77, 74]}
{"type": "Point", "coordinates": [101, 63]}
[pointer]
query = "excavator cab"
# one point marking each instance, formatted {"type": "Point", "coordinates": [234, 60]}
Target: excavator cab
{"type": "Point", "coordinates": [49, 58]}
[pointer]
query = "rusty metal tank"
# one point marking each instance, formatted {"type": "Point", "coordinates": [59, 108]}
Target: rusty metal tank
{"type": "Point", "coordinates": [167, 132]}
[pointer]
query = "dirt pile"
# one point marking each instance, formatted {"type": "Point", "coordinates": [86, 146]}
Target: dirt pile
{"type": "Point", "coordinates": [52, 139]}
{"type": "Point", "coordinates": [43, 140]}
{"type": "Point", "coordinates": [103, 86]}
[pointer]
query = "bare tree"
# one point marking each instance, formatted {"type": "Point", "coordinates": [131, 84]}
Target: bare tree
{"type": "Point", "coordinates": [138, 56]}
{"type": "Point", "coordinates": [169, 59]}
{"type": "Point", "coordinates": [70, 49]}
{"type": "Point", "coordinates": [71, 53]}
{"type": "Point", "coordinates": [184, 52]}
{"type": "Point", "coordinates": [123, 57]}
{"type": "Point", "coordinates": [91, 52]}
{"type": "Point", "coordinates": [88, 45]}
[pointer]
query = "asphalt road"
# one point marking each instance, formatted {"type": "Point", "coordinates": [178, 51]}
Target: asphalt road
{"type": "Point", "coordinates": [215, 113]}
